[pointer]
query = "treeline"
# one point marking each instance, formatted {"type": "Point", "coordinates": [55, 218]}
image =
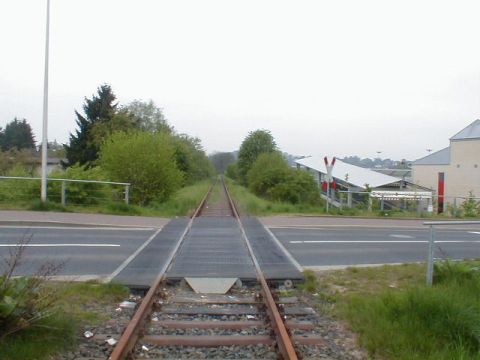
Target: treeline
{"type": "Point", "coordinates": [131, 143]}
{"type": "Point", "coordinates": [264, 170]}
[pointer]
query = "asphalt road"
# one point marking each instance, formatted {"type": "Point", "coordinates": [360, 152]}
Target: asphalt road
{"type": "Point", "coordinates": [101, 250]}
{"type": "Point", "coordinates": [331, 246]}
{"type": "Point", "coordinates": [97, 251]}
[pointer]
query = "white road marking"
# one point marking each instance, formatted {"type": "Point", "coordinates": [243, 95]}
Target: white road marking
{"type": "Point", "coordinates": [474, 232]}
{"type": "Point", "coordinates": [60, 245]}
{"type": "Point", "coordinates": [379, 241]}
{"type": "Point", "coordinates": [77, 228]}
{"type": "Point", "coordinates": [347, 226]}
{"type": "Point", "coordinates": [285, 251]}
{"type": "Point", "coordinates": [130, 258]}
{"type": "Point", "coordinates": [401, 236]}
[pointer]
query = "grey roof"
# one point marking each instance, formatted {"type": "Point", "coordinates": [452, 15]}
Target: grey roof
{"type": "Point", "coordinates": [356, 175]}
{"type": "Point", "coordinates": [441, 157]}
{"type": "Point", "coordinates": [472, 131]}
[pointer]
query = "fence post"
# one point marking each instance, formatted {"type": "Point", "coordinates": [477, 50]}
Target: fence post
{"type": "Point", "coordinates": [349, 198]}
{"type": "Point", "coordinates": [370, 203]}
{"type": "Point", "coordinates": [431, 248]}
{"type": "Point", "coordinates": [63, 195]}
{"type": "Point", "coordinates": [127, 194]}
{"type": "Point", "coordinates": [382, 203]}
{"type": "Point", "coordinates": [419, 207]}
{"type": "Point", "coordinates": [455, 207]}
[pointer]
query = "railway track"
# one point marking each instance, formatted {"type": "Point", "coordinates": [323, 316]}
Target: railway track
{"type": "Point", "coordinates": [255, 317]}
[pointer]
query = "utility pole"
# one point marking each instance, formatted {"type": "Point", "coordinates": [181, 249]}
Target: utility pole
{"type": "Point", "coordinates": [45, 111]}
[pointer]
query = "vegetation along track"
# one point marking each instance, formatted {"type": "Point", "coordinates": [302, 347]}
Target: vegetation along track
{"type": "Point", "coordinates": [248, 319]}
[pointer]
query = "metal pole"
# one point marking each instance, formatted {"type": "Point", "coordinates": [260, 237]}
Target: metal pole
{"type": "Point", "coordinates": [382, 204]}
{"type": "Point", "coordinates": [64, 190]}
{"type": "Point", "coordinates": [45, 111]}
{"type": "Point", "coordinates": [328, 195]}
{"type": "Point", "coordinates": [127, 194]}
{"type": "Point", "coordinates": [431, 248]}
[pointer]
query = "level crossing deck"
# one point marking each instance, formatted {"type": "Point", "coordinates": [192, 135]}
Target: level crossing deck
{"type": "Point", "coordinates": [213, 247]}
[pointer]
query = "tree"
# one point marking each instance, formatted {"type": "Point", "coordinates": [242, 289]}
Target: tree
{"type": "Point", "coordinates": [18, 135]}
{"type": "Point", "coordinates": [191, 158]}
{"type": "Point", "coordinates": [150, 117]}
{"type": "Point", "coordinates": [144, 159]}
{"type": "Point", "coordinates": [221, 161]}
{"type": "Point", "coordinates": [256, 143]}
{"type": "Point", "coordinates": [84, 147]}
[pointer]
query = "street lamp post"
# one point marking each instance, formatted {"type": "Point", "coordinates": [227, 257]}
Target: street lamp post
{"type": "Point", "coordinates": [45, 111]}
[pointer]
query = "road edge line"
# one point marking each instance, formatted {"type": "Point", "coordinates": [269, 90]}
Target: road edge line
{"type": "Point", "coordinates": [128, 260]}
{"type": "Point", "coordinates": [285, 251]}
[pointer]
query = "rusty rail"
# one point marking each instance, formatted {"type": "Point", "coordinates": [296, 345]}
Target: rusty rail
{"type": "Point", "coordinates": [282, 336]}
{"type": "Point", "coordinates": [133, 330]}
{"type": "Point", "coordinates": [131, 334]}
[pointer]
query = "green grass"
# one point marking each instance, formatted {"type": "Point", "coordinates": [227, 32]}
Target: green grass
{"type": "Point", "coordinates": [182, 203]}
{"type": "Point", "coordinates": [57, 333]}
{"type": "Point", "coordinates": [397, 317]}
{"type": "Point", "coordinates": [253, 205]}
{"type": "Point", "coordinates": [52, 335]}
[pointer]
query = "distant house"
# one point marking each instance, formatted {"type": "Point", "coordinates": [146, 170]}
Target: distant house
{"type": "Point", "coordinates": [453, 171]}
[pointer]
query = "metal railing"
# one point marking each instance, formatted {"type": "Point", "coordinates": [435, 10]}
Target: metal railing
{"type": "Point", "coordinates": [420, 204]}
{"type": "Point", "coordinates": [431, 242]}
{"type": "Point", "coordinates": [91, 193]}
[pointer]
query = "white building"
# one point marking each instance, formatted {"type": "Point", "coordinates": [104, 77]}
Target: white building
{"type": "Point", "coordinates": [453, 171]}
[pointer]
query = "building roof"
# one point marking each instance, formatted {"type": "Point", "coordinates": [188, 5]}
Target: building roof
{"type": "Point", "coordinates": [441, 157]}
{"type": "Point", "coordinates": [355, 175]}
{"type": "Point", "coordinates": [472, 131]}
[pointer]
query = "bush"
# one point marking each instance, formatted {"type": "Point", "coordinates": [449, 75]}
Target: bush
{"type": "Point", "coordinates": [271, 177]}
{"type": "Point", "coordinates": [83, 193]}
{"type": "Point", "coordinates": [19, 190]}
{"type": "Point", "coordinates": [146, 160]}
{"type": "Point", "coordinates": [232, 171]}
{"type": "Point", "coordinates": [470, 207]}
{"type": "Point", "coordinates": [23, 301]}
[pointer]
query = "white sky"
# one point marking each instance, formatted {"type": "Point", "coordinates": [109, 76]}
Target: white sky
{"type": "Point", "coordinates": [344, 77]}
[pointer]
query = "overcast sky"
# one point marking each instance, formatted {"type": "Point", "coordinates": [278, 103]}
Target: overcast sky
{"type": "Point", "coordinates": [343, 77]}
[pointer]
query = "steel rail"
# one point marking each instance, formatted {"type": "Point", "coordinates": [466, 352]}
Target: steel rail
{"type": "Point", "coordinates": [284, 342]}
{"type": "Point", "coordinates": [130, 336]}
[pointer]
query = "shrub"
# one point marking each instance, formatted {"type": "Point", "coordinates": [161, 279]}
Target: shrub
{"type": "Point", "coordinates": [470, 207]}
{"type": "Point", "coordinates": [19, 190]}
{"type": "Point", "coordinates": [232, 171]}
{"type": "Point", "coordinates": [146, 160]}
{"type": "Point", "coordinates": [271, 177]}
{"type": "Point", "coordinates": [23, 302]}
{"type": "Point", "coordinates": [83, 193]}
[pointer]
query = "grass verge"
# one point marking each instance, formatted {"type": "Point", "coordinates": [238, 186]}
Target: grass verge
{"type": "Point", "coordinates": [180, 204]}
{"type": "Point", "coordinates": [397, 317]}
{"type": "Point", "coordinates": [57, 333]}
